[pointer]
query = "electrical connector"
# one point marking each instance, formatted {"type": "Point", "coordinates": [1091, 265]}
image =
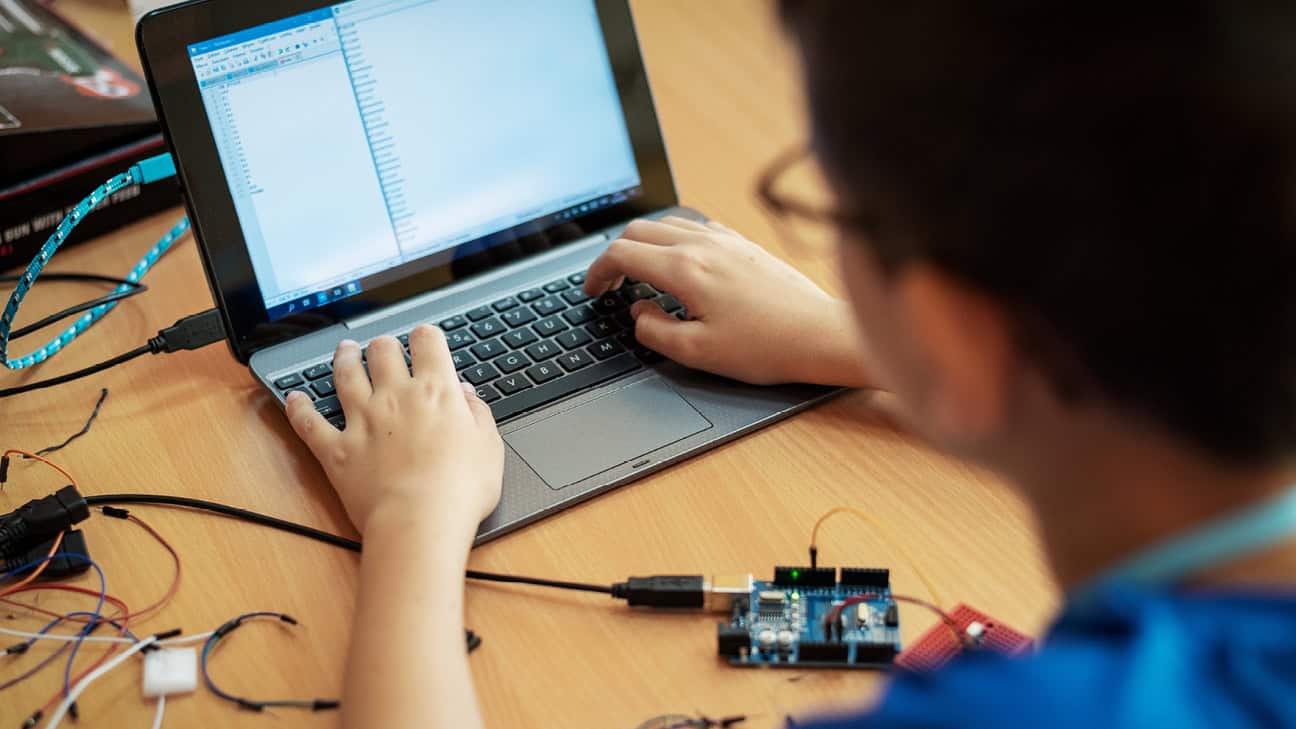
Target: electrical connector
{"type": "Point", "coordinates": [37, 521]}
{"type": "Point", "coordinates": [192, 332]}
{"type": "Point", "coordinates": [64, 565]}
{"type": "Point", "coordinates": [153, 169]}
{"type": "Point", "coordinates": [683, 592]}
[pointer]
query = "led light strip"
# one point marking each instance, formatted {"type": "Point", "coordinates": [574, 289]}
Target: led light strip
{"type": "Point", "coordinates": [150, 170]}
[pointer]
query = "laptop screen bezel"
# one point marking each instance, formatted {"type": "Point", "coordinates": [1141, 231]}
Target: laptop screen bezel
{"type": "Point", "coordinates": [163, 38]}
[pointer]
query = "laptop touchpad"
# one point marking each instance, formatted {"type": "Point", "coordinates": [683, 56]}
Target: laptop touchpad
{"type": "Point", "coordinates": [604, 433]}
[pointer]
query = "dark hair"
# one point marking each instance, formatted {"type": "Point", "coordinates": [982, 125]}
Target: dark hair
{"type": "Point", "coordinates": [1123, 174]}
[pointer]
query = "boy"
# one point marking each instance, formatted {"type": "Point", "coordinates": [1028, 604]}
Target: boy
{"type": "Point", "coordinates": [1068, 233]}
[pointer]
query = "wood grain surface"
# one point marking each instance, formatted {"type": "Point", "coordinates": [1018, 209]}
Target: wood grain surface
{"type": "Point", "coordinates": [196, 424]}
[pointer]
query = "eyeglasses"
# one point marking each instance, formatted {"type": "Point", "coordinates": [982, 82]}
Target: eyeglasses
{"type": "Point", "coordinates": [795, 192]}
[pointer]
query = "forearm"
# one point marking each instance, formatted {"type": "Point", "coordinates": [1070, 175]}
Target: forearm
{"type": "Point", "coordinates": [831, 352]}
{"type": "Point", "coordinates": [408, 665]}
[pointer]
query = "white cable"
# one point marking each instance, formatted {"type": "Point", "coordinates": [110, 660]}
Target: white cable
{"type": "Point", "coordinates": [197, 638]}
{"type": "Point", "coordinates": [157, 718]}
{"type": "Point", "coordinates": [84, 683]}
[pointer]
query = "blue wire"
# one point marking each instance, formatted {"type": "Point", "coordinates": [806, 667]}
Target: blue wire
{"type": "Point", "coordinates": [54, 656]}
{"type": "Point", "coordinates": [98, 611]}
{"type": "Point", "coordinates": [142, 173]}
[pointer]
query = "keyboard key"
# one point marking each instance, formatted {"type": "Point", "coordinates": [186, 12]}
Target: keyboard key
{"type": "Point", "coordinates": [624, 319]}
{"type": "Point", "coordinates": [575, 296]}
{"type": "Point", "coordinates": [488, 328]}
{"type": "Point", "coordinates": [573, 361]}
{"type": "Point", "coordinates": [305, 390]}
{"type": "Point", "coordinates": [459, 340]}
{"type": "Point", "coordinates": [639, 292]}
{"type": "Point", "coordinates": [603, 328]}
{"type": "Point", "coordinates": [573, 338]}
{"type": "Point", "coordinates": [489, 350]}
{"type": "Point", "coordinates": [530, 295]}
{"type": "Point", "coordinates": [543, 351]}
{"type": "Point", "coordinates": [627, 340]}
{"type": "Point", "coordinates": [606, 348]}
{"type": "Point", "coordinates": [580, 315]}
{"type": "Point", "coordinates": [576, 279]}
{"type": "Point", "coordinates": [669, 303]}
{"type": "Point", "coordinates": [481, 373]}
{"type": "Point", "coordinates": [564, 386]}
{"type": "Point", "coordinates": [609, 303]}
{"type": "Point", "coordinates": [288, 382]}
{"type": "Point", "coordinates": [510, 384]}
{"type": "Point", "coordinates": [544, 372]}
{"type": "Point", "coordinates": [318, 371]}
{"type": "Point", "coordinates": [480, 313]}
{"type": "Point", "coordinates": [548, 305]}
{"type": "Point", "coordinates": [505, 304]}
{"type": "Point", "coordinates": [554, 287]}
{"type": "Point", "coordinates": [452, 323]}
{"type": "Point", "coordinates": [338, 421]}
{"type": "Point", "coordinates": [646, 355]}
{"type": "Point", "coordinates": [324, 387]}
{"type": "Point", "coordinates": [549, 327]}
{"type": "Point", "coordinates": [512, 362]}
{"type": "Point", "coordinates": [487, 393]}
{"type": "Point", "coordinates": [518, 317]}
{"type": "Point", "coordinates": [519, 338]}
{"type": "Point", "coordinates": [403, 339]}
{"type": "Point", "coordinates": [462, 359]}
{"type": "Point", "coordinates": [328, 407]}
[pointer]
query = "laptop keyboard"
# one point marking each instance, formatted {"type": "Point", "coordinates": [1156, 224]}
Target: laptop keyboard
{"type": "Point", "coordinates": [526, 350]}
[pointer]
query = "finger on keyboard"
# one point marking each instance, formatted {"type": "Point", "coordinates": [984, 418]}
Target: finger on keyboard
{"type": "Point", "coordinates": [386, 361]}
{"type": "Point", "coordinates": [626, 258]}
{"type": "Point", "coordinates": [349, 375]}
{"type": "Point", "coordinates": [431, 354]}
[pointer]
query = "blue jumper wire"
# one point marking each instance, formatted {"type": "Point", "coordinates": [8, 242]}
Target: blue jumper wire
{"type": "Point", "coordinates": [154, 169]}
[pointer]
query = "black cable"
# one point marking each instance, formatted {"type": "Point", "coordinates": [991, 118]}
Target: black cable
{"type": "Point", "coordinates": [538, 582]}
{"type": "Point", "coordinates": [71, 376]}
{"type": "Point", "coordinates": [191, 332]}
{"type": "Point", "coordinates": [230, 511]}
{"type": "Point", "coordinates": [103, 395]}
{"type": "Point", "coordinates": [136, 288]}
{"type": "Point", "coordinates": [320, 536]}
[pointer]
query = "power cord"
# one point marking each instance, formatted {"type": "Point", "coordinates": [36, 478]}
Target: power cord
{"type": "Point", "coordinates": [192, 332]}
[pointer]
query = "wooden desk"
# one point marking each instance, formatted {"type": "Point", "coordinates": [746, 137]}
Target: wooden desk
{"type": "Point", "coordinates": [195, 424]}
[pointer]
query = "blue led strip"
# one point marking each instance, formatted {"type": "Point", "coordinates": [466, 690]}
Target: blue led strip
{"type": "Point", "coordinates": [150, 170]}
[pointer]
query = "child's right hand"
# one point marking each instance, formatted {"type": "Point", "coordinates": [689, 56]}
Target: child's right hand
{"type": "Point", "coordinates": [752, 317]}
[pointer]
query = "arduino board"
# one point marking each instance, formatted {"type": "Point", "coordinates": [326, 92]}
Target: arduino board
{"type": "Point", "coordinates": [809, 618]}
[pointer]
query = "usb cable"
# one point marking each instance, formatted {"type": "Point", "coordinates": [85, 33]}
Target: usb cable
{"type": "Point", "coordinates": [192, 332]}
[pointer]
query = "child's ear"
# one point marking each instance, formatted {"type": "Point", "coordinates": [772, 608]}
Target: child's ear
{"type": "Point", "coordinates": [970, 364]}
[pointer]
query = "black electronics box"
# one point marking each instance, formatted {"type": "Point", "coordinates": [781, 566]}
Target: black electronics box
{"type": "Point", "coordinates": [71, 116]}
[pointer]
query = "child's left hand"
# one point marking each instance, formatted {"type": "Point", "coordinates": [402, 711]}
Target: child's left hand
{"type": "Point", "coordinates": [418, 447]}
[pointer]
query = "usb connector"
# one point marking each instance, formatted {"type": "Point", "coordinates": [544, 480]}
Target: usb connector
{"type": "Point", "coordinates": [684, 592]}
{"type": "Point", "coordinates": [192, 332]}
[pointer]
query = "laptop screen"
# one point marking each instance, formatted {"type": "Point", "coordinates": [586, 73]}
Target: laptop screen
{"type": "Point", "coordinates": [374, 138]}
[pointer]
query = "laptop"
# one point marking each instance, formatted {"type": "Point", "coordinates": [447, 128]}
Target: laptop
{"type": "Point", "coordinates": [352, 170]}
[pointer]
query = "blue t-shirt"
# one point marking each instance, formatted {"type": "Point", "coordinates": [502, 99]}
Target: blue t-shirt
{"type": "Point", "coordinates": [1145, 659]}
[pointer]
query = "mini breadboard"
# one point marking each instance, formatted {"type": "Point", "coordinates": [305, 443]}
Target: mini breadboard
{"type": "Point", "coordinates": [809, 618]}
{"type": "Point", "coordinates": [938, 646]}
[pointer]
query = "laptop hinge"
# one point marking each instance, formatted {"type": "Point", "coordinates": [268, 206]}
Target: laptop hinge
{"type": "Point", "coordinates": [431, 296]}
